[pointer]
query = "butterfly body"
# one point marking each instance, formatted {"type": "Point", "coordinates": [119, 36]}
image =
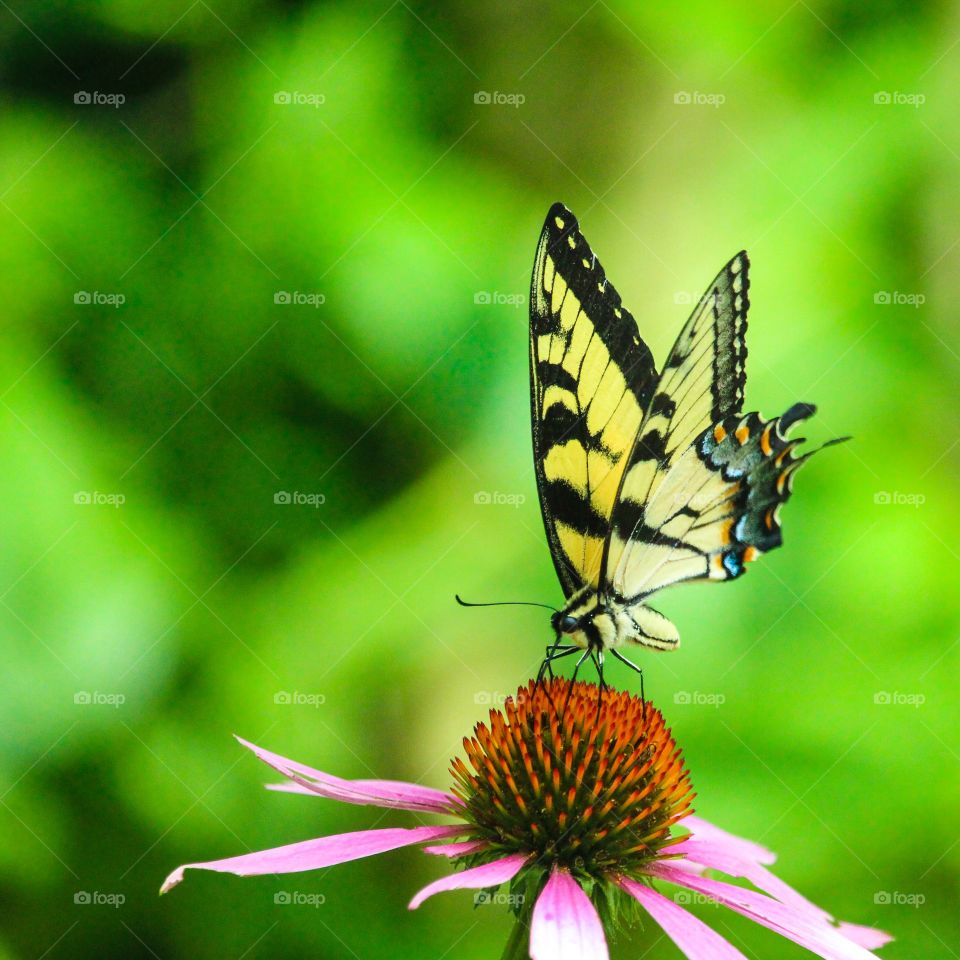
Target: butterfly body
{"type": "Point", "coordinates": [646, 479]}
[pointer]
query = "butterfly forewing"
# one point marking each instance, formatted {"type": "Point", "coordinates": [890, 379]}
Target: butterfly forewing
{"type": "Point", "coordinates": [667, 489]}
{"type": "Point", "coordinates": [592, 380]}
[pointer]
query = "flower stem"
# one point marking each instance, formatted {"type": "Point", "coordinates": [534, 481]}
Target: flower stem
{"type": "Point", "coordinates": [518, 944]}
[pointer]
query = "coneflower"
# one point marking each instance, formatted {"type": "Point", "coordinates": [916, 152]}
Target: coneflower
{"type": "Point", "coordinates": [584, 808]}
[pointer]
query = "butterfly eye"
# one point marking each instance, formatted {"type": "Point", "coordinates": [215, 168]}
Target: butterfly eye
{"type": "Point", "coordinates": [568, 624]}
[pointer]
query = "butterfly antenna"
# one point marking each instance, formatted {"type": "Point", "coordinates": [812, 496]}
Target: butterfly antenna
{"type": "Point", "coordinates": [505, 603]}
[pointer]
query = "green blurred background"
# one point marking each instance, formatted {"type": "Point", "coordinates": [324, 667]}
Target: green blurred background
{"type": "Point", "coordinates": [815, 699]}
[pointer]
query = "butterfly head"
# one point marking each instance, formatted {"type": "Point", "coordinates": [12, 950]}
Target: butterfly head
{"type": "Point", "coordinates": [565, 623]}
{"type": "Point", "coordinates": [583, 622]}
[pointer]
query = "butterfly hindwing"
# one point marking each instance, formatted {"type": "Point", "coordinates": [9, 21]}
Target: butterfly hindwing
{"type": "Point", "coordinates": [592, 380]}
{"type": "Point", "coordinates": [730, 482]}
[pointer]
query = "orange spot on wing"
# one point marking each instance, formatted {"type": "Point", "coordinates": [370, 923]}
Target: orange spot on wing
{"type": "Point", "coordinates": [783, 455]}
{"type": "Point", "coordinates": [742, 434]}
{"type": "Point", "coordinates": [768, 519]}
{"type": "Point", "coordinates": [725, 529]}
{"type": "Point", "coordinates": [765, 442]}
{"type": "Point", "coordinates": [751, 553]}
{"type": "Point", "coordinates": [719, 433]}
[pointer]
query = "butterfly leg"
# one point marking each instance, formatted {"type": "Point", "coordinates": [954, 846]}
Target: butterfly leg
{"type": "Point", "coordinates": [632, 666]}
{"type": "Point", "coordinates": [553, 652]}
{"type": "Point", "coordinates": [597, 658]}
{"type": "Point", "coordinates": [586, 654]}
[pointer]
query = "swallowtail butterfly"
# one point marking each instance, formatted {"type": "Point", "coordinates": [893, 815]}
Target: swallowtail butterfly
{"type": "Point", "coordinates": [645, 479]}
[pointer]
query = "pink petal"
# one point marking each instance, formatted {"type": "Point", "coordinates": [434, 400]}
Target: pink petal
{"type": "Point", "coordinates": [382, 793]}
{"type": "Point", "coordinates": [704, 830]}
{"type": "Point", "coordinates": [565, 924]}
{"type": "Point", "coordinates": [476, 878]}
{"type": "Point", "coordinates": [460, 849]}
{"type": "Point", "coordinates": [314, 854]}
{"type": "Point", "coordinates": [868, 937]}
{"type": "Point", "coordinates": [706, 853]}
{"type": "Point", "coordinates": [729, 860]}
{"type": "Point", "coordinates": [688, 932]}
{"type": "Point", "coordinates": [787, 920]}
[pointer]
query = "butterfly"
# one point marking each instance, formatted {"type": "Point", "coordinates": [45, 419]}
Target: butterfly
{"type": "Point", "coordinates": [645, 479]}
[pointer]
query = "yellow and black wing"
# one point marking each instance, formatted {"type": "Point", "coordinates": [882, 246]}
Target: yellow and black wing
{"type": "Point", "coordinates": [664, 491]}
{"type": "Point", "coordinates": [591, 381]}
{"type": "Point", "coordinates": [702, 490]}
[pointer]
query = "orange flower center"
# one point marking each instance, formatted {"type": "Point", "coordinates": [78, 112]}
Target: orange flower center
{"type": "Point", "coordinates": [593, 782]}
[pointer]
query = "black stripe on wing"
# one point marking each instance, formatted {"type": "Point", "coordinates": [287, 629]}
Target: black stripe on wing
{"type": "Point", "coordinates": [583, 274]}
{"type": "Point", "coordinates": [591, 380]}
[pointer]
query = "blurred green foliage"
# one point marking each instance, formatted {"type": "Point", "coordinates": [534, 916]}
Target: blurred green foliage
{"type": "Point", "coordinates": [200, 600]}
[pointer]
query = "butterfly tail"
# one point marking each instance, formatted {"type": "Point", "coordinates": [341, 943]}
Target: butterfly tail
{"type": "Point", "coordinates": [760, 460]}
